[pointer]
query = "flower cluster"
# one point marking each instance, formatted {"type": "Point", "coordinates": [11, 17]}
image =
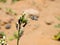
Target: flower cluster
{"type": "Point", "coordinates": [2, 39]}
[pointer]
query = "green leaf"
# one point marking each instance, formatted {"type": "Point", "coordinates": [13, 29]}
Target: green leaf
{"type": "Point", "coordinates": [23, 20]}
{"type": "Point", "coordinates": [16, 35]}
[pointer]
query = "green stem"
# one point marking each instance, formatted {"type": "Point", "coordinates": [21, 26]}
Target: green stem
{"type": "Point", "coordinates": [18, 39]}
{"type": "Point", "coordinates": [18, 34]}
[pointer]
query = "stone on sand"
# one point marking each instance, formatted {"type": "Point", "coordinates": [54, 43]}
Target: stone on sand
{"type": "Point", "coordinates": [8, 26]}
{"type": "Point", "coordinates": [34, 17]}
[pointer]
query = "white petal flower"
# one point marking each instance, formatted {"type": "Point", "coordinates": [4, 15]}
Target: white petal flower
{"type": "Point", "coordinates": [3, 37]}
{"type": "Point", "coordinates": [3, 41]}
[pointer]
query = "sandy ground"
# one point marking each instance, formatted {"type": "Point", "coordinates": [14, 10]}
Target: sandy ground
{"type": "Point", "coordinates": [36, 32]}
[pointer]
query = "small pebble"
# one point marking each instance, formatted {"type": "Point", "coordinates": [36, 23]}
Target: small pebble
{"type": "Point", "coordinates": [5, 22]}
{"type": "Point", "coordinates": [7, 13]}
{"type": "Point", "coordinates": [15, 13]}
{"type": "Point", "coordinates": [8, 26]}
{"type": "Point", "coordinates": [34, 17]}
{"type": "Point", "coordinates": [48, 23]}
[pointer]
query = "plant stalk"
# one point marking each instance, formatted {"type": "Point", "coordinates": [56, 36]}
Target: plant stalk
{"type": "Point", "coordinates": [18, 34]}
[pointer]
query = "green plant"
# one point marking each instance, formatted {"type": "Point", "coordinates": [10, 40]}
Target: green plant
{"type": "Point", "coordinates": [19, 26]}
{"type": "Point", "coordinates": [13, 1]}
{"type": "Point", "coordinates": [10, 11]}
{"type": "Point", "coordinates": [57, 26]}
{"type": "Point", "coordinates": [2, 39]}
{"type": "Point", "coordinates": [57, 37]}
{"type": "Point", "coordinates": [16, 35]}
{"type": "Point", "coordinates": [4, 1]}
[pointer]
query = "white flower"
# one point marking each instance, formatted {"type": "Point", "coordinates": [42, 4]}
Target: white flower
{"type": "Point", "coordinates": [3, 37]}
{"type": "Point", "coordinates": [3, 41]}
